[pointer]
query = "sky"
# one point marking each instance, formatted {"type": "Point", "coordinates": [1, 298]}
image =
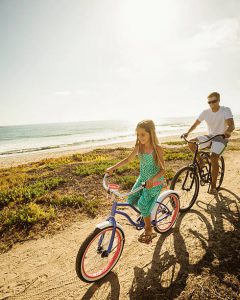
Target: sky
{"type": "Point", "coordinates": [75, 60]}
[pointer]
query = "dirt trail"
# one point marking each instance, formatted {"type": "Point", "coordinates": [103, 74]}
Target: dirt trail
{"type": "Point", "coordinates": [194, 248]}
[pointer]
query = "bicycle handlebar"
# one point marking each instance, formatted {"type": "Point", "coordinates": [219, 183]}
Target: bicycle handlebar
{"type": "Point", "coordinates": [109, 190]}
{"type": "Point", "coordinates": [191, 142]}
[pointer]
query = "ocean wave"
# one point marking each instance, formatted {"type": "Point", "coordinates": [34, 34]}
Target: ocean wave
{"type": "Point", "coordinates": [18, 151]}
{"type": "Point", "coordinates": [81, 143]}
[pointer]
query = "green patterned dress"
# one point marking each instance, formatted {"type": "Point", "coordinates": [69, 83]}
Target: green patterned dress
{"type": "Point", "coordinates": [146, 198]}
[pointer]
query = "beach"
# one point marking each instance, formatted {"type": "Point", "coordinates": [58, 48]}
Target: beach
{"type": "Point", "coordinates": [13, 160]}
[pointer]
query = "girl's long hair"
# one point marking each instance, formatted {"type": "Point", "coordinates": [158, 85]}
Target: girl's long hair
{"type": "Point", "coordinates": [149, 126]}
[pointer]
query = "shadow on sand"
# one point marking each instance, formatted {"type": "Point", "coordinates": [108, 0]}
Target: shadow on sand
{"type": "Point", "coordinates": [174, 273]}
{"type": "Point", "coordinates": [215, 275]}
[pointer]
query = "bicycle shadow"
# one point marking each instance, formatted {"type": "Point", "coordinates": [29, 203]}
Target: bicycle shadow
{"type": "Point", "coordinates": [107, 288]}
{"type": "Point", "coordinates": [217, 260]}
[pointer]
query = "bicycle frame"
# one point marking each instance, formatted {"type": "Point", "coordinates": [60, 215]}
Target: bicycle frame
{"type": "Point", "coordinates": [111, 219]}
{"type": "Point", "coordinates": [194, 163]}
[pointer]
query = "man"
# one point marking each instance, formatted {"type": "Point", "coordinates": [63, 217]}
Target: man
{"type": "Point", "coordinates": [219, 120]}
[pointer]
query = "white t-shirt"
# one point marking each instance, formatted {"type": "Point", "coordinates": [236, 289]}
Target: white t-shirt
{"type": "Point", "coordinates": [216, 120]}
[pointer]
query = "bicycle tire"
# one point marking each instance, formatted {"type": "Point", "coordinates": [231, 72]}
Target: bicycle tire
{"type": "Point", "coordinates": [195, 179]}
{"type": "Point", "coordinates": [164, 208]}
{"type": "Point", "coordinates": [81, 268]}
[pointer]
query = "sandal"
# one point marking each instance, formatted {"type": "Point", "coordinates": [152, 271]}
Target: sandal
{"type": "Point", "coordinates": [146, 238]}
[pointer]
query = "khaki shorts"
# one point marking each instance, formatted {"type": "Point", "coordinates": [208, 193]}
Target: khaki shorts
{"type": "Point", "coordinates": [217, 146]}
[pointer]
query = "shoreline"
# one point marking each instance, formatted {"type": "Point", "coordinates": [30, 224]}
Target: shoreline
{"type": "Point", "coordinates": [14, 160]}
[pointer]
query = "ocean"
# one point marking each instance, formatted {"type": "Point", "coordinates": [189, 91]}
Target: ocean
{"type": "Point", "coordinates": [38, 137]}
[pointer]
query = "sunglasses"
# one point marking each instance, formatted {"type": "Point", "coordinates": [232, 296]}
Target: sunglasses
{"type": "Point", "coordinates": [213, 101]}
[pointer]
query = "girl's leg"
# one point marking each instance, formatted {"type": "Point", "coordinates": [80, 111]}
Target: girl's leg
{"type": "Point", "coordinates": [148, 226]}
{"type": "Point", "coordinates": [145, 205]}
{"type": "Point", "coordinates": [133, 199]}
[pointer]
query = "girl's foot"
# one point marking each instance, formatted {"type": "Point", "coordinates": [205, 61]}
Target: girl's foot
{"type": "Point", "coordinates": [147, 237]}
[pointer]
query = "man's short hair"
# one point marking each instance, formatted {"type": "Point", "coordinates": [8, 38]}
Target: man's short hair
{"type": "Point", "coordinates": [214, 94]}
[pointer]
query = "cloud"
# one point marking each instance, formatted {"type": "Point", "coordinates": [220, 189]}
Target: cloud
{"type": "Point", "coordinates": [197, 66]}
{"type": "Point", "coordinates": [62, 93]}
{"type": "Point", "coordinates": [86, 92]}
{"type": "Point", "coordinates": [195, 53]}
{"type": "Point", "coordinates": [221, 33]}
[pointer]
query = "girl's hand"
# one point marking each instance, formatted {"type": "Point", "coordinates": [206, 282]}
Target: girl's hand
{"type": "Point", "coordinates": [149, 183]}
{"type": "Point", "coordinates": [110, 170]}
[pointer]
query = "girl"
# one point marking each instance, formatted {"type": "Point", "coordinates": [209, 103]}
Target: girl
{"type": "Point", "coordinates": [151, 172]}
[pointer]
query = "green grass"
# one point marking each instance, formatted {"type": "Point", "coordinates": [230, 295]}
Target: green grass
{"type": "Point", "coordinates": [169, 174]}
{"type": "Point", "coordinates": [177, 154]}
{"type": "Point", "coordinates": [25, 215]}
{"type": "Point", "coordinates": [175, 143]}
{"type": "Point", "coordinates": [126, 182]}
{"type": "Point", "coordinates": [98, 168]}
{"type": "Point", "coordinates": [29, 193]}
{"type": "Point", "coordinates": [53, 164]}
{"type": "Point", "coordinates": [91, 157]}
{"type": "Point", "coordinates": [75, 201]}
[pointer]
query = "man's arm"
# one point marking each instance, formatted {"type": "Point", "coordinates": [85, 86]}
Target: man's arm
{"type": "Point", "coordinates": [231, 127]}
{"type": "Point", "coordinates": [197, 122]}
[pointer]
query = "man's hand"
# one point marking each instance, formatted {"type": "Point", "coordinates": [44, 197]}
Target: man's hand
{"type": "Point", "coordinates": [149, 183]}
{"type": "Point", "coordinates": [184, 135]}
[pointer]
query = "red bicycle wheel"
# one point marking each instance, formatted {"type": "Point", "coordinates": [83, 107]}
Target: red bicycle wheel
{"type": "Point", "coordinates": [166, 213]}
{"type": "Point", "coordinates": [93, 262]}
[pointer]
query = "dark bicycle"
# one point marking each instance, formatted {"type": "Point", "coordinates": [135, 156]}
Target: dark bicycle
{"type": "Point", "coordinates": [187, 180]}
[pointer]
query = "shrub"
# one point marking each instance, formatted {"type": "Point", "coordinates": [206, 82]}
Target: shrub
{"type": "Point", "coordinates": [76, 201]}
{"type": "Point", "coordinates": [53, 163]}
{"type": "Point", "coordinates": [29, 193]}
{"type": "Point", "coordinates": [93, 168]}
{"type": "Point", "coordinates": [126, 182]}
{"type": "Point", "coordinates": [90, 157]}
{"type": "Point", "coordinates": [175, 143]}
{"type": "Point", "coordinates": [25, 215]}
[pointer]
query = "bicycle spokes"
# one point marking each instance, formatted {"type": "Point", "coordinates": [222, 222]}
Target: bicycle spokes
{"type": "Point", "coordinates": [186, 184]}
{"type": "Point", "coordinates": [97, 259]}
{"type": "Point", "coordinates": [166, 213]}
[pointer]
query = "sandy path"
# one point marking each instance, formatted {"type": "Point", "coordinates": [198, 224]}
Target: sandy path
{"type": "Point", "coordinates": [45, 268]}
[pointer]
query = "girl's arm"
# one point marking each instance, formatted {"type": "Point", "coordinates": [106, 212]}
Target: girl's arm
{"type": "Point", "coordinates": [124, 161]}
{"type": "Point", "coordinates": [150, 181]}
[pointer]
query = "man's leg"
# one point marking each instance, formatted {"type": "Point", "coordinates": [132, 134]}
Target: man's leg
{"type": "Point", "coordinates": [215, 169]}
{"type": "Point", "coordinates": [216, 149]}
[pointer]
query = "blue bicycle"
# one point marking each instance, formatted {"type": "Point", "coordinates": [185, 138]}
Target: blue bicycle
{"type": "Point", "coordinates": [102, 249]}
